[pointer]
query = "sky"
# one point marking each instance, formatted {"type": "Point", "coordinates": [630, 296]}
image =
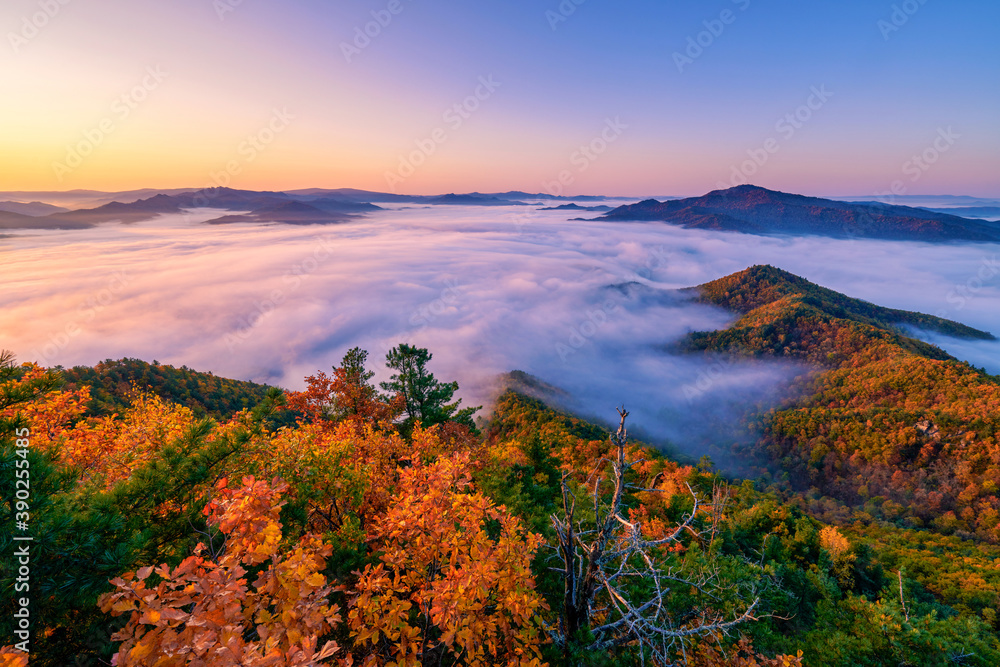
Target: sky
{"type": "Point", "coordinates": [821, 97]}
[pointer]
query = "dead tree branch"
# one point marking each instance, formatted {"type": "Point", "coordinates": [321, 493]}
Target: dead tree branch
{"type": "Point", "coordinates": [599, 560]}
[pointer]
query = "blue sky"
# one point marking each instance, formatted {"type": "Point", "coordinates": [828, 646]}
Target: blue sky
{"type": "Point", "coordinates": [897, 74]}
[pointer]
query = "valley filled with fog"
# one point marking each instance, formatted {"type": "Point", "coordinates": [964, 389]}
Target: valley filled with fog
{"type": "Point", "coordinates": [590, 307]}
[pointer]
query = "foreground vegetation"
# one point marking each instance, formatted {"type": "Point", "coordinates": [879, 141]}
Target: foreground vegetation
{"type": "Point", "coordinates": [383, 528]}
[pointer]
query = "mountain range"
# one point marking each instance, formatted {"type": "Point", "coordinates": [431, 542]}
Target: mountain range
{"type": "Point", "coordinates": [746, 208]}
{"type": "Point", "coordinates": [754, 210]}
{"type": "Point", "coordinates": [886, 430]}
{"type": "Point", "coordinates": [33, 208]}
{"type": "Point", "coordinates": [316, 206]}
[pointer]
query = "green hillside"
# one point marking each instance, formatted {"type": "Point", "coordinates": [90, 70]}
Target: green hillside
{"type": "Point", "coordinates": [113, 382]}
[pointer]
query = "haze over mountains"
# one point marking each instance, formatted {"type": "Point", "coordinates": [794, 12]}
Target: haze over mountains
{"type": "Point", "coordinates": [34, 208]}
{"type": "Point", "coordinates": [983, 212]}
{"type": "Point", "coordinates": [745, 208]}
{"type": "Point", "coordinates": [314, 206]}
{"type": "Point", "coordinates": [78, 199]}
{"type": "Point", "coordinates": [881, 435]}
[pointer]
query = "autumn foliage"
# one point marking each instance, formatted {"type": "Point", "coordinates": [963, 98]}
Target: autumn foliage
{"type": "Point", "coordinates": [106, 448]}
{"type": "Point", "coordinates": [458, 567]}
{"type": "Point", "coordinates": [202, 611]}
{"type": "Point", "coordinates": [380, 539]}
{"type": "Point", "coordinates": [890, 425]}
{"type": "Point", "coordinates": [443, 585]}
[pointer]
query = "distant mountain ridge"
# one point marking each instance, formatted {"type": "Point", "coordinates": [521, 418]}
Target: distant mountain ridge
{"type": "Point", "coordinates": [316, 206]}
{"type": "Point", "coordinates": [385, 197]}
{"type": "Point", "coordinates": [969, 211]}
{"type": "Point", "coordinates": [254, 206]}
{"type": "Point", "coordinates": [294, 213]}
{"type": "Point", "coordinates": [9, 220]}
{"type": "Point", "coordinates": [113, 384]}
{"type": "Point", "coordinates": [746, 208]}
{"type": "Point", "coordinates": [473, 200]}
{"type": "Point", "coordinates": [754, 210]}
{"type": "Point", "coordinates": [34, 208]}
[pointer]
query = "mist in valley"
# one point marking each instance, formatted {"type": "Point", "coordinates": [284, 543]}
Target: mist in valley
{"type": "Point", "coordinates": [592, 308]}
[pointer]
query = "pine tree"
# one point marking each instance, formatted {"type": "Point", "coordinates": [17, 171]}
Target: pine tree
{"type": "Point", "coordinates": [428, 401]}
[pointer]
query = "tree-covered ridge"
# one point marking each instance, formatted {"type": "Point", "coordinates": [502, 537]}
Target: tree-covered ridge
{"type": "Point", "coordinates": [113, 383]}
{"type": "Point", "coordinates": [891, 426]}
{"type": "Point", "coordinates": [758, 286]}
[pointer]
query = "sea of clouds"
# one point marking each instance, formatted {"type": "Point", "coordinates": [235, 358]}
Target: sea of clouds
{"type": "Point", "coordinates": [589, 307]}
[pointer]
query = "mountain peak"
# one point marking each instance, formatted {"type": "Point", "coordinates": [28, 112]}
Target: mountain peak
{"type": "Point", "coordinates": [746, 188]}
{"type": "Point", "coordinates": [751, 209]}
{"type": "Point", "coordinates": [763, 285]}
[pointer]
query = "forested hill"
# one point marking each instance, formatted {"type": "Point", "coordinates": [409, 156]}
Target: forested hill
{"type": "Point", "coordinates": [895, 428]}
{"type": "Point", "coordinates": [113, 382]}
{"type": "Point", "coordinates": [763, 285]}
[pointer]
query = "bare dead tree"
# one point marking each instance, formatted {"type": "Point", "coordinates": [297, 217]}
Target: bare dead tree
{"type": "Point", "coordinates": [902, 602]}
{"type": "Point", "coordinates": [600, 559]}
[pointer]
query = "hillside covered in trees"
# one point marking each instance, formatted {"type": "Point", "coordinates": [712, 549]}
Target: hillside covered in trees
{"type": "Point", "coordinates": [893, 427]}
{"type": "Point", "coordinates": [113, 383]}
{"type": "Point", "coordinates": [181, 519]}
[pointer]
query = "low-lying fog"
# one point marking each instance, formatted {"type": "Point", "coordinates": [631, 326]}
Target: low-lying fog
{"type": "Point", "coordinates": [585, 306]}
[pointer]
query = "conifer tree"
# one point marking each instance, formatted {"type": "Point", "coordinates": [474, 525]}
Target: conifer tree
{"type": "Point", "coordinates": [428, 401]}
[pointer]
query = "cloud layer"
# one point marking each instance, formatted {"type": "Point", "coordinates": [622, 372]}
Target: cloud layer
{"type": "Point", "coordinates": [589, 307]}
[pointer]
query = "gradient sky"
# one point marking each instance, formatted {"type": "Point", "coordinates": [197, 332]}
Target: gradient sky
{"type": "Point", "coordinates": [229, 65]}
